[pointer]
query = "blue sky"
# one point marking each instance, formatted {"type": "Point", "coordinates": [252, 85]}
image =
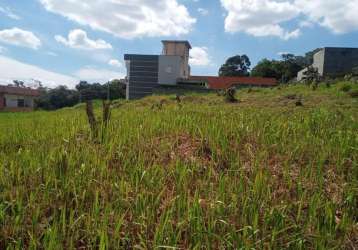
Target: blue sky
{"type": "Point", "coordinates": [64, 41]}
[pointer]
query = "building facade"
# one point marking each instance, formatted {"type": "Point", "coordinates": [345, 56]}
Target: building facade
{"type": "Point", "coordinates": [179, 48]}
{"type": "Point", "coordinates": [146, 72]}
{"type": "Point", "coordinates": [170, 73]}
{"type": "Point", "coordinates": [14, 99]}
{"type": "Point", "coordinates": [333, 62]}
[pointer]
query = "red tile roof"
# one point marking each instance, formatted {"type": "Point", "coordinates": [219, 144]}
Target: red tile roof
{"type": "Point", "coordinates": [224, 82]}
{"type": "Point", "coordinates": [19, 91]}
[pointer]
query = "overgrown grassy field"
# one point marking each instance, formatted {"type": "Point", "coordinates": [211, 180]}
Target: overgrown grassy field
{"type": "Point", "coordinates": [259, 174]}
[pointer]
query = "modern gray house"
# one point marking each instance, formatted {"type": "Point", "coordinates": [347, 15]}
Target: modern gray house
{"type": "Point", "coordinates": [333, 62]}
{"type": "Point", "coordinates": [147, 72]}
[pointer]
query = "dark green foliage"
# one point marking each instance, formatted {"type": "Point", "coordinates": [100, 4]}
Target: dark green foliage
{"type": "Point", "coordinates": [285, 69]}
{"type": "Point", "coordinates": [236, 66]}
{"type": "Point", "coordinates": [267, 68]}
{"type": "Point", "coordinates": [111, 90]}
{"type": "Point", "coordinates": [346, 88]}
{"type": "Point", "coordinates": [60, 97]}
{"type": "Point", "coordinates": [57, 98]}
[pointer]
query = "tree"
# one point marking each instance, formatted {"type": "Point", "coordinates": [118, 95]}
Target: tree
{"type": "Point", "coordinates": [63, 97]}
{"type": "Point", "coordinates": [19, 83]}
{"type": "Point", "coordinates": [57, 98]}
{"type": "Point", "coordinates": [283, 70]}
{"type": "Point", "coordinates": [116, 89]}
{"type": "Point", "coordinates": [236, 66]}
{"type": "Point", "coordinates": [309, 56]}
{"type": "Point", "coordinates": [291, 65]}
{"type": "Point", "coordinates": [267, 68]}
{"type": "Point", "coordinates": [112, 90]}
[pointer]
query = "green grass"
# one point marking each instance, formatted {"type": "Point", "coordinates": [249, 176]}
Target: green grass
{"type": "Point", "coordinates": [262, 173]}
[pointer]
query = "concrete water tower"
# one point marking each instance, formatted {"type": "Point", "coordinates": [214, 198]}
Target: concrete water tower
{"type": "Point", "coordinates": [179, 48]}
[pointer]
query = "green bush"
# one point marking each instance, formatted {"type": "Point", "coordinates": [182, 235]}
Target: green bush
{"type": "Point", "coordinates": [346, 88]}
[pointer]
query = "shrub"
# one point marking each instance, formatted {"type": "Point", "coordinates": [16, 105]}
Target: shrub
{"type": "Point", "coordinates": [346, 88]}
{"type": "Point", "coordinates": [311, 75]}
{"type": "Point", "coordinates": [230, 95]}
{"type": "Point", "coordinates": [314, 85]}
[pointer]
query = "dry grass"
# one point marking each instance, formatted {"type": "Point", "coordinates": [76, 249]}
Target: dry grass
{"type": "Point", "coordinates": [263, 173]}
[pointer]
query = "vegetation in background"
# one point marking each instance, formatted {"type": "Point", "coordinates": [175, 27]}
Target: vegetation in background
{"type": "Point", "coordinates": [60, 97]}
{"type": "Point", "coordinates": [236, 66]}
{"type": "Point", "coordinates": [285, 69]}
{"type": "Point", "coordinates": [261, 174]}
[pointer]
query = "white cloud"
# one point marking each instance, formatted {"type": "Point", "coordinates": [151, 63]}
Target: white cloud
{"type": "Point", "coordinates": [281, 53]}
{"type": "Point", "coordinates": [199, 56]}
{"type": "Point", "coordinates": [340, 16]}
{"type": "Point", "coordinates": [203, 12]}
{"type": "Point", "coordinates": [266, 17]}
{"type": "Point", "coordinates": [93, 74]}
{"type": "Point", "coordinates": [19, 37]}
{"type": "Point", "coordinates": [50, 53]}
{"type": "Point", "coordinates": [127, 19]}
{"type": "Point", "coordinates": [11, 69]}
{"type": "Point", "coordinates": [8, 12]}
{"type": "Point", "coordinates": [115, 63]}
{"type": "Point", "coordinates": [78, 39]}
{"type": "Point", "coordinates": [260, 17]}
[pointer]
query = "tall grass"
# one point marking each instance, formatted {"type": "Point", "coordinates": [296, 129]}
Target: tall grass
{"type": "Point", "coordinates": [262, 173]}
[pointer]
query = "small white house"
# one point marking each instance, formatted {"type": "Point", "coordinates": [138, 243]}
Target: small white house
{"type": "Point", "coordinates": [17, 99]}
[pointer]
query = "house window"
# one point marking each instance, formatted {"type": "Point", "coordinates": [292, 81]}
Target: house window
{"type": "Point", "coordinates": [20, 103]}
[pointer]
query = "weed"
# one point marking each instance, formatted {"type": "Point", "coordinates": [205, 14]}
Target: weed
{"type": "Point", "coordinates": [346, 88]}
{"type": "Point", "coordinates": [230, 95]}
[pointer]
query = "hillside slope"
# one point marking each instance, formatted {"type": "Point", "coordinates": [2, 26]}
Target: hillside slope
{"type": "Point", "coordinates": [261, 173]}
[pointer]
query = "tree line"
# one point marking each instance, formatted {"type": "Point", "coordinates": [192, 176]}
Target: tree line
{"type": "Point", "coordinates": [284, 70]}
{"type": "Point", "coordinates": [62, 96]}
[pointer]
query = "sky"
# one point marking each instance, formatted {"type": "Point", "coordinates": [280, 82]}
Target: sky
{"type": "Point", "coordinates": [60, 42]}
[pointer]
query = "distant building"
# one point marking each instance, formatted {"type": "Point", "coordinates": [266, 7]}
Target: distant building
{"type": "Point", "coordinates": [17, 99]}
{"type": "Point", "coordinates": [170, 73]}
{"type": "Point", "coordinates": [333, 62]}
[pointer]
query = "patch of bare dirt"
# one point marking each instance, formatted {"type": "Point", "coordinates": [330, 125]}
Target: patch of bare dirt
{"type": "Point", "coordinates": [184, 147]}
